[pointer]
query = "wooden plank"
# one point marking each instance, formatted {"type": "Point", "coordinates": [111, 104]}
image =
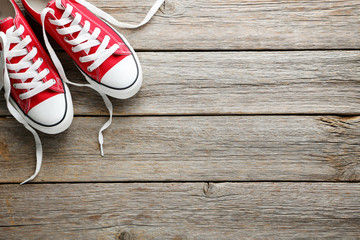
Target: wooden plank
{"type": "Point", "coordinates": [222, 148]}
{"type": "Point", "coordinates": [239, 25]}
{"type": "Point", "coordinates": [180, 211]}
{"type": "Point", "coordinates": [234, 83]}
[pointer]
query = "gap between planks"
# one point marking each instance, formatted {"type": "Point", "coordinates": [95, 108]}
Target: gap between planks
{"type": "Point", "coordinates": [190, 181]}
{"type": "Point", "coordinates": [350, 115]}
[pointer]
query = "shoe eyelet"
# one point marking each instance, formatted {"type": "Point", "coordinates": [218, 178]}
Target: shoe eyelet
{"type": "Point", "coordinates": [47, 71]}
{"type": "Point", "coordinates": [41, 60]}
{"type": "Point", "coordinates": [14, 86]}
{"type": "Point", "coordinates": [65, 39]}
{"type": "Point", "coordinates": [72, 49]}
{"type": "Point", "coordinates": [89, 70]}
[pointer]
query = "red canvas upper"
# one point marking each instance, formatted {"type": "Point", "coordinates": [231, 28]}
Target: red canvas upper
{"type": "Point", "coordinates": [95, 22]}
{"type": "Point", "coordinates": [57, 88]}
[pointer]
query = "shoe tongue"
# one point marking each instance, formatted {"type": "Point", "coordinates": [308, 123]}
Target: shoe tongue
{"type": "Point", "coordinates": [6, 23]}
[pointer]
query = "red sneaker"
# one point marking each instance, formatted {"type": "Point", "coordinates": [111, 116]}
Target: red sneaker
{"type": "Point", "coordinates": [101, 53]}
{"type": "Point", "coordinates": [34, 92]}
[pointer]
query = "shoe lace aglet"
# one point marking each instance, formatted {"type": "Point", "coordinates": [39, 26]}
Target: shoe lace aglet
{"type": "Point", "coordinates": [101, 150]}
{"type": "Point", "coordinates": [27, 180]}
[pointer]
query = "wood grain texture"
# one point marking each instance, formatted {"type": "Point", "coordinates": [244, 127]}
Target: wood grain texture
{"type": "Point", "coordinates": [234, 83]}
{"type": "Point", "coordinates": [223, 148]}
{"type": "Point", "coordinates": [180, 211]}
{"type": "Point", "coordinates": [239, 25]}
{"type": "Point", "coordinates": [156, 148]}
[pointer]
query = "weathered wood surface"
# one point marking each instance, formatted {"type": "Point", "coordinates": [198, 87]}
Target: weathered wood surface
{"type": "Point", "coordinates": [223, 148]}
{"type": "Point", "coordinates": [239, 25]}
{"type": "Point", "coordinates": [180, 211]}
{"type": "Point", "coordinates": [205, 148]}
{"type": "Point", "coordinates": [234, 82]}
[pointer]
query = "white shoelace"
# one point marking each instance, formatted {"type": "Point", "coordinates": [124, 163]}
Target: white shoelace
{"type": "Point", "coordinates": [34, 87]}
{"type": "Point", "coordinates": [85, 41]}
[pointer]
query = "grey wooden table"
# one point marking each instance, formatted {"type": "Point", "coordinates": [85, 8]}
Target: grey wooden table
{"type": "Point", "coordinates": [247, 126]}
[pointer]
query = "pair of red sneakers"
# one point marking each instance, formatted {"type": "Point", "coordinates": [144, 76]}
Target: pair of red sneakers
{"type": "Point", "coordinates": [35, 84]}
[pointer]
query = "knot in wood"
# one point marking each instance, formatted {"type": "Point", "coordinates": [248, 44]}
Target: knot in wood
{"type": "Point", "coordinates": [209, 189]}
{"type": "Point", "coordinates": [124, 235]}
{"type": "Point", "coordinates": [169, 8]}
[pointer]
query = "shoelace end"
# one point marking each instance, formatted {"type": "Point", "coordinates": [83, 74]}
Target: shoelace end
{"type": "Point", "coordinates": [101, 150]}
{"type": "Point", "coordinates": [27, 180]}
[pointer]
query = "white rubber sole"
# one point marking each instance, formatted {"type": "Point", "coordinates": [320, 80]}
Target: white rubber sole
{"type": "Point", "coordinates": [58, 128]}
{"type": "Point", "coordinates": [119, 93]}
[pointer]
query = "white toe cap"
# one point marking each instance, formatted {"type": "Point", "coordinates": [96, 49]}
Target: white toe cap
{"type": "Point", "coordinates": [49, 112]}
{"type": "Point", "coordinates": [122, 75]}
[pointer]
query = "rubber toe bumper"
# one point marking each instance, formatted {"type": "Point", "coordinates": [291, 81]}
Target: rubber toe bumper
{"type": "Point", "coordinates": [49, 112]}
{"type": "Point", "coordinates": [122, 75]}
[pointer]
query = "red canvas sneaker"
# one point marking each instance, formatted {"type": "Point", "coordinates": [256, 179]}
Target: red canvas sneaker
{"type": "Point", "coordinates": [102, 54]}
{"type": "Point", "coordinates": [34, 93]}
